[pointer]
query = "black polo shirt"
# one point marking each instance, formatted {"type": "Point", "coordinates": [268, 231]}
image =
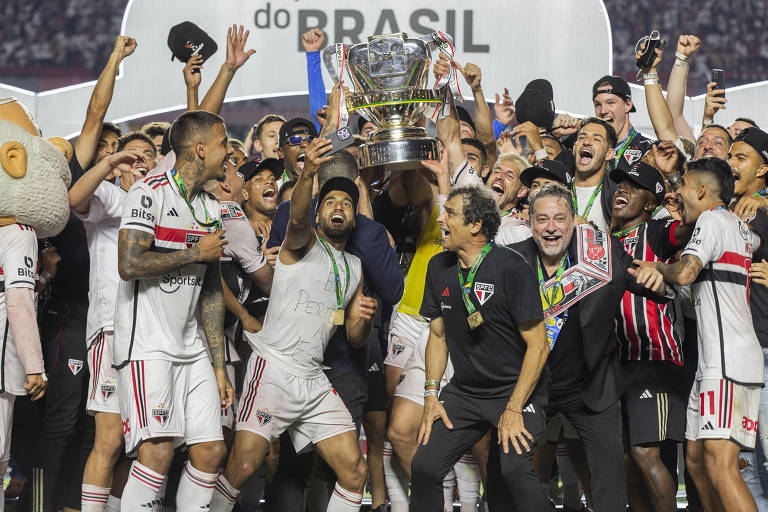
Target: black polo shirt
{"type": "Point", "coordinates": [488, 359]}
{"type": "Point", "coordinates": [758, 294]}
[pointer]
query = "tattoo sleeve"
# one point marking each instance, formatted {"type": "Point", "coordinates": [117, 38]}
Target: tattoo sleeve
{"type": "Point", "coordinates": [683, 272]}
{"type": "Point", "coordinates": [212, 314]}
{"type": "Point", "coordinates": [136, 261]}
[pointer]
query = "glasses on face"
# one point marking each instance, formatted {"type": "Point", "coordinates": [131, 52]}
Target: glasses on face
{"type": "Point", "coordinates": [295, 140]}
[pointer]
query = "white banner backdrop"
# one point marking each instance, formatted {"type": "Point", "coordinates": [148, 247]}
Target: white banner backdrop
{"type": "Point", "coordinates": [515, 41]}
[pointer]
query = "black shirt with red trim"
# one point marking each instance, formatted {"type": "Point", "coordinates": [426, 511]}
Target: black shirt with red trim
{"type": "Point", "coordinates": [648, 331]}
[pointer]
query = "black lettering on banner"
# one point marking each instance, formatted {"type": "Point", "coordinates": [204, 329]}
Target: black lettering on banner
{"type": "Point", "coordinates": [450, 22]}
{"type": "Point", "coordinates": [387, 16]}
{"type": "Point", "coordinates": [353, 33]}
{"type": "Point", "coordinates": [319, 20]}
{"type": "Point", "coordinates": [146, 201]}
{"type": "Point", "coordinates": [287, 16]}
{"type": "Point", "coordinates": [416, 25]}
{"type": "Point", "coordinates": [259, 12]}
{"type": "Point", "coordinates": [469, 45]}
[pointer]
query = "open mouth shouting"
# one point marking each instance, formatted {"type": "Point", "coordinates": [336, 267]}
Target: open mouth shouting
{"type": "Point", "coordinates": [736, 175]}
{"type": "Point", "coordinates": [337, 219]}
{"type": "Point", "coordinates": [269, 194]}
{"type": "Point", "coordinates": [498, 188]}
{"type": "Point", "coordinates": [300, 161]}
{"type": "Point", "coordinates": [585, 156]}
{"type": "Point", "coordinates": [551, 240]}
{"type": "Point", "coordinates": [621, 201]}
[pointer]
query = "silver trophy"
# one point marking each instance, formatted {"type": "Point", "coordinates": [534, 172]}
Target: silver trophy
{"type": "Point", "coordinates": [389, 74]}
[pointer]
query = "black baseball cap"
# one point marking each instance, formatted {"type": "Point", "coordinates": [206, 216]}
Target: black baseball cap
{"type": "Point", "coordinates": [536, 104]}
{"type": "Point", "coordinates": [340, 183]}
{"type": "Point", "coordinates": [186, 39]}
{"type": "Point", "coordinates": [463, 115]}
{"type": "Point", "coordinates": [361, 121]}
{"type": "Point", "coordinates": [757, 139]}
{"type": "Point", "coordinates": [287, 129]}
{"type": "Point", "coordinates": [252, 168]}
{"type": "Point", "coordinates": [613, 85]}
{"type": "Point", "coordinates": [644, 176]}
{"type": "Point", "coordinates": [549, 169]}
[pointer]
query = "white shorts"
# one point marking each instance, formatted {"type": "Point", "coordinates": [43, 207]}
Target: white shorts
{"type": "Point", "coordinates": [228, 414]}
{"type": "Point", "coordinates": [102, 385]}
{"type": "Point", "coordinates": [721, 409]}
{"type": "Point", "coordinates": [274, 401]}
{"type": "Point", "coordinates": [404, 331]}
{"type": "Point", "coordinates": [6, 422]}
{"type": "Point", "coordinates": [410, 385]}
{"type": "Point", "coordinates": [166, 399]}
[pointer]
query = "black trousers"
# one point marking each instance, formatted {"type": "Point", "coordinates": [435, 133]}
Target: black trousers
{"type": "Point", "coordinates": [512, 483]}
{"type": "Point", "coordinates": [53, 436]}
{"type": "Point", "coordinates": [294, 471]}
{"type": "Point", "coordinates": [600, 433]}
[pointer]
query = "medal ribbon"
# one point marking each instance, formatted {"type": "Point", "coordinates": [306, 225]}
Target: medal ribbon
{"type": "Point", "coordinates": [591, 201]}
{"type": "Point", "coordinates": [625, 232]}
{"type": "Point", "coordinates": [548, 299]}
{"type": "Point", "coordinates": [467, 288]}
{"type": "Point", "coordinates": [183, 189]}
{"type": "Point", "coordinates": [339, 290]}
{"type": "Point", "coordinates": [624, 144]}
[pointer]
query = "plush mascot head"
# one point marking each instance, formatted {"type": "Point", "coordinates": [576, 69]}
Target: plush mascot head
{"type": "Point", "coordinates": [34, 175]}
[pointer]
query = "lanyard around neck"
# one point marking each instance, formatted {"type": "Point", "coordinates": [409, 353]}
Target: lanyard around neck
{"type": "Point", "coordinates": [467, 287]}
{"type": "Point", "coordinates": [183, 191]}
{"type": "Point", "coordinates": [591, 201]}
{"type": "Point", "coordinates": [549, 299]}
{"type": "Point", "coordinates": [340, 293]}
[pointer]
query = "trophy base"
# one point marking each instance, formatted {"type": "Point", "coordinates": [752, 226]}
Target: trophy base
{"type": "Point", "coordinates": [398, 149]}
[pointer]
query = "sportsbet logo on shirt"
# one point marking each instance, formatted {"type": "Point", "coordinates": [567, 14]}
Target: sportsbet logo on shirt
{"type": "Point", "coordinates": [172, 281]}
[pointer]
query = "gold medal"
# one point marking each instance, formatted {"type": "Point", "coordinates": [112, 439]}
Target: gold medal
{"type": "Point", "coordinates": [338, 317]}
{"type": "Point", "coordinates": [475, 320]}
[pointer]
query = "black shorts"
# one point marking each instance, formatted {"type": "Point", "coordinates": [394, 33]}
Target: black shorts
{"type": "Point", "coordinates": [377, 394]}
{"type": "Point", "coordinates": [653, 402]}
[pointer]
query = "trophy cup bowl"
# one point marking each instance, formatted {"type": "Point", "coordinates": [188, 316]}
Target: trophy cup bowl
{"type": "Point", "coordinates": [389, 74]}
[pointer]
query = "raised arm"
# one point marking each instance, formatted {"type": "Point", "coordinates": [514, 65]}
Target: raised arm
{"type": "Point", "coordinates": [192, 77]}
{"type": "Point", "coordinates": [212, 320]}
{"type": "Point", "coordinates": [81, 192]}
{"type": "Point", "coordinates": [511, 427]}
{"type": "Point", "coordinates": [483, 120]}
{"type": "Point", "coordinates": [88, 141]}
{"type": "Point", "coordinates": [686, 47]}
{"type": "Point", "coordinates": [658, 110]}
{"type": "Point", "coordinates": [300, 237]}
{"type": "Point", "coordinates": [236, 57]}
{"type": "Point", "coordinates": [136, 260]}
{"type": "Point", "coordinates": [312, 41]}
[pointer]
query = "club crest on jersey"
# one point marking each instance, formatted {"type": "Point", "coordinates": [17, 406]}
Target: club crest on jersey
{"type": "Point", "coordinates": [629, 244]}
{"type": "Point", "coordinates": [397, 349]}
{"type": "Point", "coordinates": [107, 388]}
{"type": "Point", "coordinates": [632, 155]}
{"type": "Point", "coordinates": [483, 291]}
{"type": "Point", "coordinates": [263, 416]}
{"type": "Point", "coordinates": [160, 413]}
{"type": "Point", "coordinates": [75, 365]}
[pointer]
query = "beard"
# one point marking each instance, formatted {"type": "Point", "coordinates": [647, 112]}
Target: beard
{"type": "Point", "coordinates": [553, 250]}
{"type": "Point", "coordinates": [335, 232]}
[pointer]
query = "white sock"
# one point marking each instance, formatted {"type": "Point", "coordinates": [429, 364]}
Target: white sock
{"type": "Point", "coordinates": [195, 488]}
{"type": "Point", "coordinates": [143, 489]}
{"type": "Point", "coordinates": [343, 500]}
{"type": "Point", "coordinates": [449, 483]}
{"type": "Point", "coordinates": [93, 498]}
{"type": "Point", "coordinates": [396, 479]}
{"type": "Point", "coordinates": [224, 495]}
{"type": "Point", "coordinates": [468, 482]}
{"type": "Point", "coordinates": [113, 504]}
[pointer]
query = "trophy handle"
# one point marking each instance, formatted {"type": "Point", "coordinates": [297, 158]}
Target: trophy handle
{"type": "Point", "coordinates": [333, 57]}
{"type": "Point", "coordinates": [439, 41]}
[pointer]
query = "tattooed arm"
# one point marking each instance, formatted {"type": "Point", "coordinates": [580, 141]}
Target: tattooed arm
{"type": "Point", "coordinates": [135, 260]}
{"type": "Point", "coordinates": [683, 272]}
{"type": "Point", "coordinates": [212, 318]}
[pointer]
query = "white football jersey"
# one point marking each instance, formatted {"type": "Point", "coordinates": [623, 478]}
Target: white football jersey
{"type": "Point", "coordinates": [102, 224]}
{"type": "Point", "coordinates": [242, 246]}
{"type": "Point", "coordinates": [18, 265]}
{"type": "Point", "coordinates": [155, 317]}
{"type": "Point", "coordinates": [298, 322]}
{"type": "Point", "coordinates": [512, 230]}
{"type": "Point", "coordinates": [728, 346]}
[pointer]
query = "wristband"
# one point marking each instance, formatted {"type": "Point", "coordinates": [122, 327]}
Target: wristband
{"type": "Point", "coordinates": [651, 81]}
{"type": "Point", "coordinates": [540, 154]}
{"type": "Point", "coordinates": [431, 382]}
{"type": "Point", "coordinates": [679, 56]}
{"type": "Point", "coordinates": [673, 180]}
{"type": "Point", "coordinates": [430, 392]}
{"type": "Point", "coordinates": [650, 75]}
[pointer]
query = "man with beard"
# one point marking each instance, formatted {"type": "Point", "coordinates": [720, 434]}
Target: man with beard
{"type": "Point", "coordinates": [508, 190]}
{"type": "Point", "coordinates": [286, 389]}
{"type": "Point", "coordinates": [295, 135]}
{"type": "Point", "coordinates": [651, 335]}
{"type": "Point", "coordinates": [592, 193]}
{"type": "Point", "coordinates": [724, 401]}
{"type": "Point", "coordinates": [500, 319]}
{"type": "Point", "coordinates": [612, 99]}
{"type": "Point", "coordinates": [169, 245]}
{"type": "Point", "coordinates": [582, 276]}
{"type": "Point", "coordinates": [99, 205]}
{"type": "Point", "coordinates": [714, 140]}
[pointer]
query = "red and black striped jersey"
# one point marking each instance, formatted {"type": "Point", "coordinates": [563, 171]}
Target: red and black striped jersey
{"type": "Point", "coordinates": [648, 331]}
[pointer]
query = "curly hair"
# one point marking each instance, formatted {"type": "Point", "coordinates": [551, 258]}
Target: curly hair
{"type": "Point", "coordinates": [479, 205]}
